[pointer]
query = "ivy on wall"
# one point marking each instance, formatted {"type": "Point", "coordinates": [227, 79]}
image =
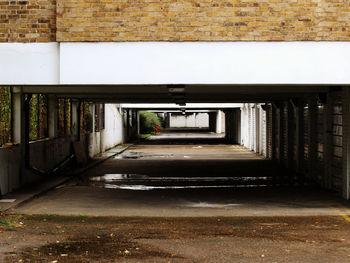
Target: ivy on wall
{"type": "Point", "coordinates": [5, 115]}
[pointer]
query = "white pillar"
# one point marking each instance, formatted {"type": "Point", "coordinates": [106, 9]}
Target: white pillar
{"type": "Point", "coordinates": [218, 122]}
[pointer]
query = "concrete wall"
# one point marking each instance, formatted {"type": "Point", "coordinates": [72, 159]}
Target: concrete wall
{"type": "Point", "coordinates": [253, 128]}
{"type": "Point", "coordinates": [194, 120]}
{"type": "Point", "coordinates": [9, 169]}
{"type": "Point", "coordinates": [111, 135]}
{"type": "Point", "coordinates": [47, 153]}
{"type": "Point", "coordinates": [44, 155]}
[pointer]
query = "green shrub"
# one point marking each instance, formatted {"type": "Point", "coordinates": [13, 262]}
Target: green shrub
{"type": "Point", "coordinates": [148, 122]}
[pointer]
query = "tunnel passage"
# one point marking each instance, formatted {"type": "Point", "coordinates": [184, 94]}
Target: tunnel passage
{"type": "Point", "coordinates": [297, 133]}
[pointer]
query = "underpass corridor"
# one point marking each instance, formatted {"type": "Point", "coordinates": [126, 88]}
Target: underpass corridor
{"type": "Point", "coordinates": [186, 180]}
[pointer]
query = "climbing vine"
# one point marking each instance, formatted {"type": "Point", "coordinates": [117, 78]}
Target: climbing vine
{"type": "Point", "coordinates": [38, 117]}
{"type": "Point", "coordinates": [5, 115]}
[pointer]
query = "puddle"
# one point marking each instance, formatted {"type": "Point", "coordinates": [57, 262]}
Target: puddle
{"type": "Point", "coordinates": [139, 182]}
{"type": "Point", "coordinates": [148, 187]}
{"type": "Point", "coordinates": [208, 205]}
{"type": "Point", "coordinates": [138, 177]}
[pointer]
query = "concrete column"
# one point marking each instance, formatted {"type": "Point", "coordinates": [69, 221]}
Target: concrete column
{"type": "Point", "coordinates": [18, 114]}
{"type": "Point", "coordinates": [138, 124]}
{"type": "Point", "coordinates": [52, 116]}
{"type": "Point", "coordinates": [346, 143]}
{"type": "Point", "coordinates": [218, 122]}
{"type": "Point", "coordinates": [18, 127]}
{"type": "Point", "coordinates": [300, 136]}
{"type": "Point", "coordinates": [74, 127]}
{"type": "Point", "coordinates": [328, 141]}
{"type": "Point", "coordinates": [312, 137]}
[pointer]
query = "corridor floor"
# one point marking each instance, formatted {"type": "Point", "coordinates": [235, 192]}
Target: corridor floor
{"type": "Point", "coordinates": [186, 180]}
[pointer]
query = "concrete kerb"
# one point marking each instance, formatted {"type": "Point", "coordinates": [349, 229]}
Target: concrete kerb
{"type": "Point", "coordinates": [26, 196]}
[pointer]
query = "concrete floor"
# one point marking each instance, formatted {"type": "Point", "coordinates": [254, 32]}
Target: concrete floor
{"type": "Point", "coordinates": [177, 182]}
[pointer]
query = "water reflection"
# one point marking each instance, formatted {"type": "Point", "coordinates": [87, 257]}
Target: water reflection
{"type": "Point", "coordinates": [139, 182]}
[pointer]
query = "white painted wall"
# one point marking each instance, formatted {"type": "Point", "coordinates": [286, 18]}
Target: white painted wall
{"type": "Point", "coordinates": [205, 63]}
{"type": "Point", "coordinates": [253, 128]}
{"type": "Point", "coordinates": [175, 63]}
{"type": "Point", "coordinates": [34, 63]}
{"type": "Point", "coordinates": [195, 120]}
{"type": "Point", "coordinates": [113, 133]}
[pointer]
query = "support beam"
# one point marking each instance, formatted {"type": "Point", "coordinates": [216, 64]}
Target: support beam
{"type": "Point", "coordinates": [218, 122]}
{"type": "Point", "coordinates": [18, 123]}
{"type": "Point", "coordinates": [273, 129]}
{"type": "Point", "coordinates": [290, 136]}
{"type": "Point", "coordinates": [312, 138]}
{"type": "Point", "coordinates": [257, 128]}
{"type": "Point", "coordinates": [79, 121]}
{"type": "Point", "coordinates": [75, 118]}
{"type": "Point", "coordinates": [17, 115]}
{"type": "Point", "coordinates": [26, 130]}
{"type": "Point", "coordinates": [346, 143]}
{"type": "Point", "coordinates": [328, 141]}
{"type": "Point", "coordinates": [300, 137]}
{"type": "Point", "coordinates": [280, 133]}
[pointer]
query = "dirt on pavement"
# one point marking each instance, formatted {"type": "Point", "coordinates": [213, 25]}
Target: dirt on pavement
{"type": "Point", "coordinates": [49, 238]}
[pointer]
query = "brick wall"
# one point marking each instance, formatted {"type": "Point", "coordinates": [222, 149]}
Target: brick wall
{"type": "Point", "coordinates": [28, 21]}
{"type": "Point", "coordinates": [203, 20]}
{"type": "Point", "coordinates": [174, 20]}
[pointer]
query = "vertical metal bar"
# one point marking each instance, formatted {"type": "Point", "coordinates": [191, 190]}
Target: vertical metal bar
{"type": "Point", "coordinates": [312, 137]}
{"type": "Point", "coordinates": [346, 143]}
{"type": "Point", "coordinates": [38, 116]}
{"type": "Point", "coordinates": [328, 141]}
{"type": "Point", "coordinates": [26, 130]}
{"type": "Point", "coordinates": [78, 120]}
{"type": "Point", "coordinates": [300, 137]}
{"type": "Point", "coordinates": [273, 129]}
{"type": "Point", "coordinates": [290, 136]}
{"type": "Point", "coordinates": [280, 134]}
{"type": "Point", "coordinates": [65, 116]}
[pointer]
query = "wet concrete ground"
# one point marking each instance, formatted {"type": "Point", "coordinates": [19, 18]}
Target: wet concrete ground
{"type": "Point", "coordinates": [157, 180]}
{"type": "Point", "coordinates": [160, 203]}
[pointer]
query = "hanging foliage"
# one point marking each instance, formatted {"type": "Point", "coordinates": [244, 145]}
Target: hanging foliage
{"type": "Point", "coordinates": [38, 117]}
{"type": "Point", "coordinates": [86, 118]}
{"type": "Point", "coordinates": [64, 117]}
{"type": "Point", "coordinates": [5, 115]}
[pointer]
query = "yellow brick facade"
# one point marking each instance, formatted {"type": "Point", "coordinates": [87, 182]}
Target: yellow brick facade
{"type": "Point", "coordinates": [203, 20]}
{"type": "Point", "coordinates": [27, 21]}
{"type": "Point", "coordinates": [174, 20]}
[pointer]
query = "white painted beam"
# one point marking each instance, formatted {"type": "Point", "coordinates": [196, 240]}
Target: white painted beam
{"type": "Point", "coordinates": [205, 63]}
{"type": "Point", "coordinates": [145, 63]}
{"type": "Point", "coordinates": [26, 64]}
